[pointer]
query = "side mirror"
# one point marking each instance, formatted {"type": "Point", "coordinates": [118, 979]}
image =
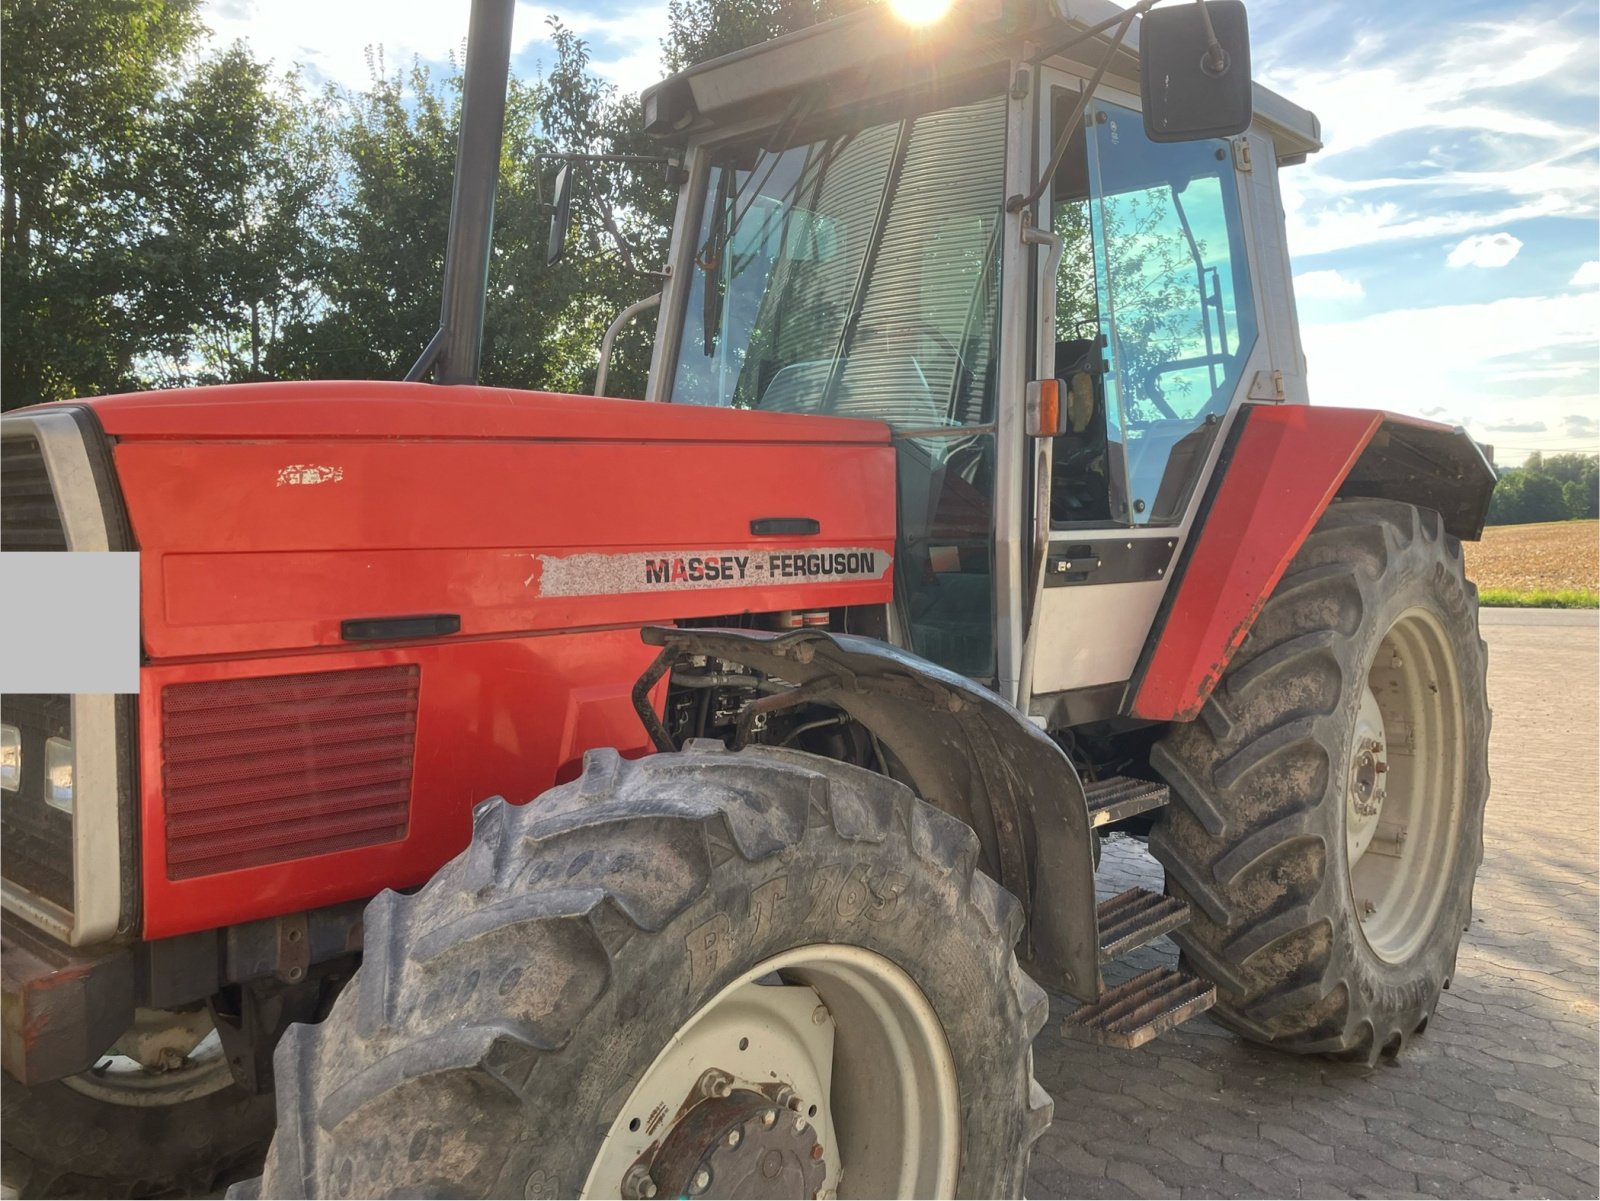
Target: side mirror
{"type": "Point", "coordinates": [1187, 95]}
{"type": "Point", "coordinates": [560, 216]}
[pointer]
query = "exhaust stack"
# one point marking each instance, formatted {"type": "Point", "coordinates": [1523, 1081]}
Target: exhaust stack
{"type": "Point", "coordinates": [454, 351]}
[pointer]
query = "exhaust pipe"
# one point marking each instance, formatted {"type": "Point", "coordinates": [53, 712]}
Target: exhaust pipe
{"type": "Point", "coordinates": [454, 351]}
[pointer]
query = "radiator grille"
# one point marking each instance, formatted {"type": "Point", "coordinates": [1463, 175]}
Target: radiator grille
{"type": "Point", "coordinates": [35, 837]}
{"type": "Point", "coordinates": [283, 767]}
{"type": "Point", "coordinates": [29, 519]}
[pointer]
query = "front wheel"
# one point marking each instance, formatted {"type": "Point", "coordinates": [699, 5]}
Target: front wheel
{"type": "Point", "coordinates": [700, 974]}
{"type": "Point", "coordinates": [1328, 815]}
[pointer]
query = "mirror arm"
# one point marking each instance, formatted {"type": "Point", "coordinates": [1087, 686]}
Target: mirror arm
{"type": "Point", "coordinates": [1219, 60]}
{"type": "Point", "coordinates": [1019, 202]}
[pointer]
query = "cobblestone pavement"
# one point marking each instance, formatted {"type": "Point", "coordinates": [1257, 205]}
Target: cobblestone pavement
{"type": "Point", "coordinates": [1497, 1099]}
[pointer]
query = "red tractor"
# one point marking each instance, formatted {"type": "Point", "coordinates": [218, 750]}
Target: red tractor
{"type": "Point", "coordinates": [975, 509]}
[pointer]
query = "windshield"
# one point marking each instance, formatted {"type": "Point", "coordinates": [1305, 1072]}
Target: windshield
{"type": "Point", "coordinates": [854, 274]}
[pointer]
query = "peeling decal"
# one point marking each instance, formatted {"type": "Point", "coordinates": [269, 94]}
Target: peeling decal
{"type": "Point", "coordinates": [309, 473]}
{"type": "Point", "coordinates": [647, 571]}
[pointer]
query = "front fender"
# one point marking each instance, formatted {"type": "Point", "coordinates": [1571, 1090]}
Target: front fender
{"type": "Point", "coordinates": [964, 750]}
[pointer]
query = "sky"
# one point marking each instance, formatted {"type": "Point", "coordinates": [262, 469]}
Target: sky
{"type": "Point", "coordinates": [1445, 242]}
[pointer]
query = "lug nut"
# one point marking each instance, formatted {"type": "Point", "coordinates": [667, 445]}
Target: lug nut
{"type": "Point", "coordinates": [715, 1083]}
{"type": "Point", "coordinates": [816, 1151]}
{"type": "Point", "coordinates": [819, 1015]}
{"type": "Point", "coordinates": [796, 1103]}
{"type": "Point", "coordinates": [799, 1124]}
{"type": "Point", "coordinates": [768, 1118]}
{"type": "Point", "coordinates": [735, 1137]}
{"type": "Point", "coordinates": [702, 1181]}
{"type": "Point", "coordinates": [637, 1183]}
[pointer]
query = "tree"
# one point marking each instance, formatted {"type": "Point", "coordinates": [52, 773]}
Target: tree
{"type": "Point", "coordinates": [81, 83]}
{"type": "Point", "coordinates": [236, 232]}
{"type": "Point", "coordinates": [1526, 496]}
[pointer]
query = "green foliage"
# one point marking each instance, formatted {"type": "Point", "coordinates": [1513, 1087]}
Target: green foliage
{"type": "Point", "coordinates": [176, 217]}
{"type": "Point", "coordinates": [1555, 489]}
{"type": "Point", "coordinates": [81, 138]}
{"type": "Point", "coordinates": [1513, 598]}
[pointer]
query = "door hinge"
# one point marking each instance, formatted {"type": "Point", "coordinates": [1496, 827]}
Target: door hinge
{"type": "Point", "coordinates": [1241, 155]}
{"type": "Point", "coordinates": [1267, 385]}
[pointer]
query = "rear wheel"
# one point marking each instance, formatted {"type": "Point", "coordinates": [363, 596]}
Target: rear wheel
{"type": "Point", "coordinates": [1328, 821]}
{"type": "Point", "coordinates": [700, 974]}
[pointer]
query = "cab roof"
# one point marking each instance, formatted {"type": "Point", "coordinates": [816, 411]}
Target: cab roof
{"type": "Point", "coordinates": [871, 53]}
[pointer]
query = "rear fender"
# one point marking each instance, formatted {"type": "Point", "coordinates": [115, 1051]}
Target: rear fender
{"type": "Point", "coordinates": [962, 749]}
{"type": "Point", "coordinates": [1285, 465]}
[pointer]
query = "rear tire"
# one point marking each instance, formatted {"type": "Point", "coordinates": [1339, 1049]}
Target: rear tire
{"type": "Point", "coordinates": [505, 1015]}
{"type": "Point", "coordinates": [1327, 816]}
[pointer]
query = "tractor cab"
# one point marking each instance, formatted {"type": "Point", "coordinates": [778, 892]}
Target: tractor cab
{"type": "Point", "coordinates": [919, 225]}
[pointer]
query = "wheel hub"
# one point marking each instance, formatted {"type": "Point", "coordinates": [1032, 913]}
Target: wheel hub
{"type": "Point", "coordinates": [745, 1144]}
{"type": "Point", "coordinates": [754, 1097]}
{"type": "Point", "coordinates": [1369, 769]}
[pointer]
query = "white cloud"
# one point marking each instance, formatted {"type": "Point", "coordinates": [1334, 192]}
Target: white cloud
{"type": "Point", "coordinates": [1327, 285]}
{"type": "Point", "coordinates": [1586, 276]}
{"type": "Point", "coordinates": [1578, 425]}
{"type": "Point", "coordinates": [1468, 84]}
{"type": "Point", "coordinates": [1466, 359]}
{"type": "Point", "coordinates": [1484, 250]}
{"type": "Point", "coordinates": [331, 40]}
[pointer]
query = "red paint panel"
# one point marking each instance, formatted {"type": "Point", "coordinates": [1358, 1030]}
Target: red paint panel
{"type": "Point", "coordinates": [236, 562]}
{"type": "Point", "coordinates": [506, 716]}
{"type": "Point", "coordinates": [365, 408]}
{"type": "Point", "coordinates": [1286, 466]}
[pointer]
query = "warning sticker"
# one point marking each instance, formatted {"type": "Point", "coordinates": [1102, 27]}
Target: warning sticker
{"type": "Point", "coordinates": [646, 571]}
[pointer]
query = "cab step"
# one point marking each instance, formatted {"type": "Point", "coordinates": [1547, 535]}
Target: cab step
{"type": "Point", "coordinates": [1112, 799]}
{"type": "Point", "coordinates": [1150, 1004]}
{"type": "Point", "coordinates": [1131, 919]}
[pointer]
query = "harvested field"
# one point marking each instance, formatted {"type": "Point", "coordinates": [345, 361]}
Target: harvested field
{"type": "Point", "coordinates": [1556, 556]}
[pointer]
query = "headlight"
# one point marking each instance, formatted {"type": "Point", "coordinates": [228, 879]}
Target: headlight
{"type": "Point", "coordinates": [10, 758]}
{"type": "Point", "coordinates": [58, 774]}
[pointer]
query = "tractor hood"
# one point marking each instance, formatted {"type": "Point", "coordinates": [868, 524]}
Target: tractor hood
{"type": "Point", "coordinates": [368, 409]}
{"type": "Point", "coordinates": [300, 516]}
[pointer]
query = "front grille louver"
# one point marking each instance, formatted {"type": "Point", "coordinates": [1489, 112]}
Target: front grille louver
{"type": "Point", "coordinates": [29, 518]}
{"type": "Point", "coordinates": [266, 770]}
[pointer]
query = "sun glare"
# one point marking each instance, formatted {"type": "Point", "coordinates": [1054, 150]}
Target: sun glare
{"type": "Point", "coordinates": [919, 12]}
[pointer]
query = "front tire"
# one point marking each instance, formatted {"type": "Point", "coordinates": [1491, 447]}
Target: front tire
{"type": "Point", "coordinates": [1327, 821]}
{"type": "Point", "coordinates": [511, 1020]}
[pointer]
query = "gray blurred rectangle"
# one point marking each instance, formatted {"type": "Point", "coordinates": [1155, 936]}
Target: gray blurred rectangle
{"type": "Point", "coordinates": [69, 622]}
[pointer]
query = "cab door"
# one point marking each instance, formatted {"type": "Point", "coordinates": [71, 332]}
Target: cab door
{"type": "Point", "coordinates": [1155, 334]}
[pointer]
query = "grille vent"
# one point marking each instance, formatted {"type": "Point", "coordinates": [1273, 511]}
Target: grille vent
{"type": "Point", "coordinates": [266, 770]}
{"type": "Point", "coordinates": [29, 519]}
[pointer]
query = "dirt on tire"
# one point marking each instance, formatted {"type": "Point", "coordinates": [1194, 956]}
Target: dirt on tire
{"type": "Point", "coordinates": [503, 1014]}
{"type": "Point", "coordinates": [1255, 837]}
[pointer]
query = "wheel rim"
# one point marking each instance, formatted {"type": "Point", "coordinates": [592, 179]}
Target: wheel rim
{"type": "Point", "coordinates": [163, 1059]}
{"type": "Point", "coordinates": [1404, 783]}
{"type": "Point", "coordinates": [822, 1071]}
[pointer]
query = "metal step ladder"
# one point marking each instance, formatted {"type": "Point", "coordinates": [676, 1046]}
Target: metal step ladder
{"type": "Point", "coordinates": [1153, 1002]}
